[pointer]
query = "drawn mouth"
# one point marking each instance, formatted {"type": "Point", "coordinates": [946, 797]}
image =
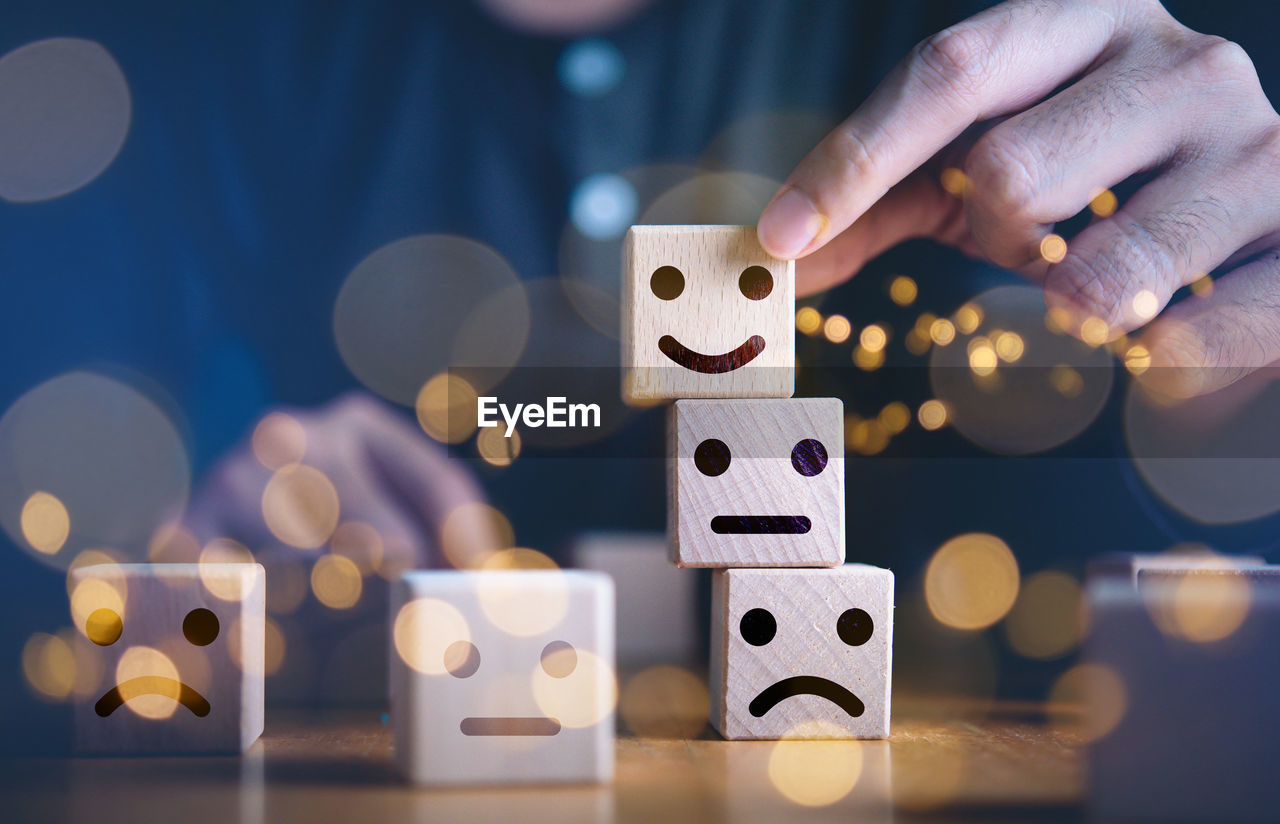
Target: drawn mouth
{"type": "Point", "coordinates": [508, 725]}
{"type": "Point", "coordinates": [711, 364]}
{"type": "Point", "coordinates": [152, 685]}
{"type": "Point", "coordinates": [760, 524]}
{"type": "Point", "coordinates": [806, 685]}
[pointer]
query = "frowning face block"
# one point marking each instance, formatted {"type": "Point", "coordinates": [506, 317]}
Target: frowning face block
{"type": "Point", "coordinates": [801, 652]}
{"type": "Point", "coordinates": [756, 483]}
{"type": "Point", "coordinates": [172, 656]}
{"type": "Point", "coordinates": [503, 676]}
{"type": "Point", "coordinates": [707, 313]}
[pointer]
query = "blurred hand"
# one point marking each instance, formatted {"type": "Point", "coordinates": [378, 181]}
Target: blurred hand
{"type": "Point", "coordinates": [1140, 92]}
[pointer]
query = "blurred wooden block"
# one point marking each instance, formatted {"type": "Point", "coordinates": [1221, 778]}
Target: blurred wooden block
{"type": "Point", "coordinates": [756, 483]}
{"type": "Point", "coordinates": [503, 677]}
{"type": "Point", "coordinates": [657, 608]}
{"type": "Point", "coordinates": [170, 657]}
{"type": "Point", "coordinates": [706, 313]}
{"type": "Point", "coordinates": [803, 653]}
{"type": "Point", "coordinates": [1183, 697]}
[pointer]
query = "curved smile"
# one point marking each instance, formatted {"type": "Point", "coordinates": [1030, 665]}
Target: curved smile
{"type": "Point", "coordinates": [711, 364]}
{"type": "Point", "coordinates": [806, 685]}
{"type": "Point", "coordinates": [152, 685]}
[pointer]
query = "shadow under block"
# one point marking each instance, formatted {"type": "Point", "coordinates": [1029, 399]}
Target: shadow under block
{"type": "Point", "coordinates": [1196, 655]}
{"type": "Point", "coordinates": [503, 676]}
{"type": "Point", "coordinates": [178, 655]}
{"type": "Point", "coordinates": [706, 313]}
{"type": "Point", "coordinates": [756, 483]}
{"type": "Point", "coordinates": [803, 653]}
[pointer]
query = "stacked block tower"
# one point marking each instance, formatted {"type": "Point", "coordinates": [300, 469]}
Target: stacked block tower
{"type": "Point", "coordinates": [801, 642]}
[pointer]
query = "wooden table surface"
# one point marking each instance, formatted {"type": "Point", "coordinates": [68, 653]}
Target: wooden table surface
{"type": "Point", "coordinates": [946, 761]}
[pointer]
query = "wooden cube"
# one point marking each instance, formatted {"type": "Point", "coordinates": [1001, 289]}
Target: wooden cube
{"type": "Point", "coordinates": [756, 483]}
{"type": "Point", "coordinates": [801, 652]}
{"type": "Point", "coordinates": [176, 653]}
{"type": "Point", "coordinates": [503, 676]}
{"type": "Point", "coordinates": [706, 313]}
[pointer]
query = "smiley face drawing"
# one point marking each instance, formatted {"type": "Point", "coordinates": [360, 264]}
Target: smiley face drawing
{"type": "Point", "coordinates": [172, 657]}
{"type": "Point", "coordinates": [707, 313]}
{"type": "Point", "coordinates": [756, 482]}
{"type": "Point", "coordinates": [794, 646]}
{"type": "Point", "coordinates": [503, 676]}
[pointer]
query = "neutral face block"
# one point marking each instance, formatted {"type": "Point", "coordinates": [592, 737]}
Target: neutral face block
{"type": "Point", "coordinates": [171, 657]}
{"type": "Point", "coordinates": [706, 313]}
{"type": "Point", "coordinates": [756, 483]}
{"type": "Point", "coordinates": [503, 676]}
{"type": "Point", "coordinates": [803, 653]}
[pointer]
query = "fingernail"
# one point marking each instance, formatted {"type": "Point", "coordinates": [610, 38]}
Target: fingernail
{"type": "Point", "coordinates": [790, 224]}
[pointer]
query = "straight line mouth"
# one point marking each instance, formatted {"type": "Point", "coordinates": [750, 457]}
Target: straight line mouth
{"type": "Point", "coordinates": [508, 725]}
{"type": "Point", "coordinates": [775, 694]}
{"type": "Point", "coordinates": [760, 524]}
{"type": "Point", "coordinates": [711, 364]}
{"type": "Point", "coordinates": [152, 685]}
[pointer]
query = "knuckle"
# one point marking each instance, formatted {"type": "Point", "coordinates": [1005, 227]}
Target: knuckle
{"type": "Point", "coordinates": [956, 59]}
{"type": "Point", "coordinates": [1001, 168]}
{"type": "Point", "coordinates": [852, 153]}
{"type": "Point", "coordinates": [1216, 61]}
{"type": "Point", "coordinates": [1097, 282]}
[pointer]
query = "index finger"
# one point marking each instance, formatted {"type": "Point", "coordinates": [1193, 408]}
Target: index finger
{"type": "Point", "coordinates": [995, 63]}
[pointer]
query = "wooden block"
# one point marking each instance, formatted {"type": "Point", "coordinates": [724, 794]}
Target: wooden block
{"type": "Point", "coordinates": [706, 313]}
{"type": "Point", "coordinates": [503, 676]}
{"type": "Point", "coordinates": [172, 656]}
{"type": "Point", "coordinates": [756, 483]}
{"type": "Point", "coordinates": [801, 653]}
{"type": "Point", "coordinates": [1181, 702]}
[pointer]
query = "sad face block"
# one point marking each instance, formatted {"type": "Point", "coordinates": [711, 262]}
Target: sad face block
{"type": "Point", "coordinates": [801, 652]}
{"type": "Point", "coordinates": [706, 313]}
{"type": "Point", "coordinates": [175, 657]}
{"type": "Point", "coordinates": [756, 483]}
{"type": "Point", "coordinates": [503, 676]}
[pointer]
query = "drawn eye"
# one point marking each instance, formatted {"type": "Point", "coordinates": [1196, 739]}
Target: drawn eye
{"type": "Point", "coordinates": [667, 282]}
{"type": "Point", "coordinates": [712, 457]}
{"type": "Point", "coordinates": [462, 659]}
{"type": "Point", "coordinates": [103, 626]}
{"type": "Point", "coordinates": [809, 457]}
{"type": "Point", "coordinates": [758, 626]}
{"type": "Point", "coordinates": [854, 626]}
{"type": "Point", "coordinates": [200, 627]}
{"type": "Point", "coordinates": [755, 283]}
{"type": "Point", "coordinates": [559, 659]}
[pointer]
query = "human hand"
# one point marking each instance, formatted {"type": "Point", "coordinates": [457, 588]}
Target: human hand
{"type": "Point", "coordinates": [1140, 93]}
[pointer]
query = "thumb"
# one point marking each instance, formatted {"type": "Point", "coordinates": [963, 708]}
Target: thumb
{"type": "Point", "coordinates": [917, 207]}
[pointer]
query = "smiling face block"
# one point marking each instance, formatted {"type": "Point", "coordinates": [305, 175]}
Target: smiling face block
{"type": "Point", "coordinates": [756, 483]}
{"type": "Point", "coordinates": [801, 648]}
{"type": "Point", "coordinates": [707, 313]}
{"type": "Point", "coordinates": [503, 676]}
{"type": "Point", "coordinates": [173, 655]}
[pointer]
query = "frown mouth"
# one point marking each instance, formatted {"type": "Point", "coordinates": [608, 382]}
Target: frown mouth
{"type": "Point", "coordinates": [711, 364]}
{"type": "Point", "coordinates": [773, 695]}
{"type": "Point", "coordinates": [152, 685]}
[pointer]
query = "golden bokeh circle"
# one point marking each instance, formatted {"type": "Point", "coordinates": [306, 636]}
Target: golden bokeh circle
{"type": "Point", "coordinates": [300, 506]}
{"type": "Point", "coordinates": [811, 767]}
{"type": "Point", "coordinates": [971, 581]}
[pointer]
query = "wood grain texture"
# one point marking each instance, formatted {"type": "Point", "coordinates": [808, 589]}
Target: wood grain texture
{"type": "Point", "coordinates": [509, 618]}
{"type": "Point", "coordinates": [761, 480]}
{"type": "Point", "coordinates": [710, 315]}
{"type": "Point", "coordinates": [226, 672]}
{"type": "Point", "coordinates": [807, 605]}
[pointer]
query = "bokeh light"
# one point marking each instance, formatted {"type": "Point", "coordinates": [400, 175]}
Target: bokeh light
{"type": "Point", "coordinates": [1137, 359]}
{"type": "Point", "coordinates": [1202, 287]}
{"type": "Point", "coordinates": [1094, 331]}
{"type": "Point", "coordinates": [1145, 304]}
{"type": "Point", "coordinates": [808, 321]}
{"type": "Point", "coordinates": [584, 697]}
{"type": "Point", "coordinates": [446, 408]}
{"type": "Point", "coordinates": [423, 629]}
{"type": "Point", "coordinates": [49, 665]}
{"type": "Point", "coordinates": [933, 414]}
{"type": "Point", "coordinates": [810, 766]}
{"type": "Point", "coordinates": [223, 582]}
{"type": "Point", "coordinates": [424, 304]}
{"type": "Point", "coordinates": [360, 543]}
{"type": "Point", "coordinates": [495, 448]}
{"type": "Point", "coordinates": [665, 702]}
{"type": "Point", "coordinates": [1053, 248]}
{"type": "Point", "coordinates": [45, 523]}
{"type": "Point", "coordinates": [968, 318]}
{"type": "Point", "coordinates": [836, 328]}
{"type": "Point", "coordinates": [472, 532]}
{"type": "Point", "coordinates": [903, 290]}
{"type": "Point", "coordinates": [65, 110]}
{"type": "Point", "coordinates": [517, 604]}
{"type": "Point", "coordinates": [954, 182]}
{"type": "Point", "coordinates": [866, 359]}
{"type": "Point", "coordinates": [1200, 604]}
{"type": "Point", "coordinates": [971, 581]}
{"type": "Point", "coordinates": [895, 417]}
{"type": "Point", "coordinates": [1088, 700]}
{"type": "Point", "coordinates": [105, 588]}
{"type": "Point", "coordinates": [279, 440]}
{"type": "Point", "coordinates": [1009, 346]}
{"type": "Point", "coordinates": [336, 581]}
{"type": "Point", "coordinates": [942, 331]}
{"type": "Point", "coordinates": [155, 695]}
{"type": "Point", "coordinates": [603, 205]}
{"type": "Point", "coordinates": [272, 653]}
{"type": "Point", "coordinates": [300, 506]}
{"type": "Point", "coordinates": [873, 338]}
{"type": "Point", "coordinates": [868, 437]}
{"type": "Point", "coordinates": [109, 455]}
{"type": "Point", "coordinates": [1047, 620]}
